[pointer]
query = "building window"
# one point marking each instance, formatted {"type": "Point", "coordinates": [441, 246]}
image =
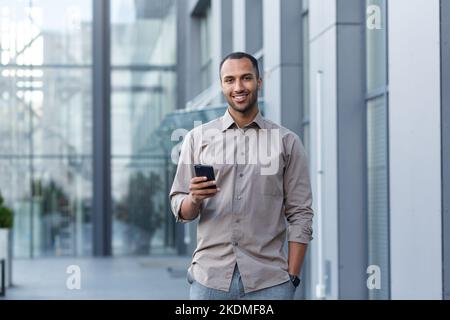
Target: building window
{"type": "Point", "coordinates": [306, 127]}
{"type": "Point", "coordinates": [46, 125]}
{"type": "Point", "coordinates": [206, 49]}
{"type": "Point", "coordinates": [377, 146]}
{"type": "Point", "coordinates": [143, 93]}
{"type": "Point", "coordinates": [254, 37]}
{"type": "Point", "coordinates": [47, 120]}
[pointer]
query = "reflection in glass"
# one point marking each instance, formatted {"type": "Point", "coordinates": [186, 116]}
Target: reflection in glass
{"type": "Point", "coordinates": [45, 124]}
{"type": "Point", "coordinates": [51, 199]}
{"type": "Point", "coordinates": [142, 223]}
{"type": "Point", "coordinates": [206, 49]}
{"type": "Point", "coordinates": [143, 95]}
{"type": "Point", "coordinates": [305, 5]}
{"type": "Point", "coordinates": [305, 75]}
{"type": "Point", "coordinates": [376, 47]}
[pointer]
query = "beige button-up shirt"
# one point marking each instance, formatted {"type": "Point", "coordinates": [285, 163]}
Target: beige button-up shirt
{"type": "Point", "coordinates": [262, 171]}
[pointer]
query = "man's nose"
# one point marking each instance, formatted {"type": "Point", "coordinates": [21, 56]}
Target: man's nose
{"type": "Point", "coordinates": [238, 86]}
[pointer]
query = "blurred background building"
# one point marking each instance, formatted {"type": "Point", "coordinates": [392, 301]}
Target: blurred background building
{"type": "Point", "coordinates": [92, 90]}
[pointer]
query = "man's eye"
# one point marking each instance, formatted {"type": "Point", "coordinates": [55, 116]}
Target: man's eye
{"type": "Point", "coordinates": [248, 78]}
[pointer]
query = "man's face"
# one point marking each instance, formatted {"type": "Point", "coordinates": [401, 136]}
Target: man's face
{"type": "Point", "coordinates": [240, 85]}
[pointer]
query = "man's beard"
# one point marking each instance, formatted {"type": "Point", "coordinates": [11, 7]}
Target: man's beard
{"type": "Point", "coordinates": [245, 109]}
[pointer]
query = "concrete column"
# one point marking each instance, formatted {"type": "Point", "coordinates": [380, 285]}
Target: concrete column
{"type": "Point", "coordinates": [415, 149]}
{"type": "Point", "coordinates": [282, 60]}
{"type": "Point", "coordinates": [239, 26]}
{"type": "Point", "coordinates": [337, 91]}
{"type": "Point", "coordinates": [445, 83]}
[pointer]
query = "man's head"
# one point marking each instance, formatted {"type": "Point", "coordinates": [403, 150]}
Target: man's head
{"type": "Point", "coordinates": [240, 80]}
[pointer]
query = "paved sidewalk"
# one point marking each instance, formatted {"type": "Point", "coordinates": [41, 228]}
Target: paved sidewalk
{"type": "Point", "coordinates": [158, 278]}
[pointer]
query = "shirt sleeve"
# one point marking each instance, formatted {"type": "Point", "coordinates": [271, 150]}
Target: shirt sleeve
{"type": "Point", "coordinates": [297, 193]}
{"type": "Point", "coordinates": [183, 177]}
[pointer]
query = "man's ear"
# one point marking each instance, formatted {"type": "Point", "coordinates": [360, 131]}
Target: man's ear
{"type": "Point", "coordinates": [260, 83]}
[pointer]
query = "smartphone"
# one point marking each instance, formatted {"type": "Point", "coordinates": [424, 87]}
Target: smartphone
{"type": "Point", "coordinates": [205, 171]}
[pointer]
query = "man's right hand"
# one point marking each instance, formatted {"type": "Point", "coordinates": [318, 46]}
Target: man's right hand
{"type": "Point", "coordinates": [198, 191]}
{"type": "Point", "coordinates": [190, 207]}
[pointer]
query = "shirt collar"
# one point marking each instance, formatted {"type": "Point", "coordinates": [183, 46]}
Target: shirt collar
{"type": "Point", "coordinates": [228, 121]}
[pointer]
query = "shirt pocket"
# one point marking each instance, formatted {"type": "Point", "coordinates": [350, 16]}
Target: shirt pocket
{"type": "Point", "coordinates": [205, 155]}
{"type": "Point", "coordinates": [267, 185]}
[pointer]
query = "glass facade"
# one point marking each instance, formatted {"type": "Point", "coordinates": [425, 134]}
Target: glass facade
{"type": "Point", "coordinates": [143, 55]}
{"type": "Point", "coordinates": [305, 76]}
{"type": "Point", "coordinates": [376, 41]}
{"type": "Point", "coordinates": [377, 146]}
{"type": "Point", "coordinates": [45, 124]}
{"type": "Point", "coordinates": [206, 48]}
{"type": "Point", "coordinates": [306, 126]}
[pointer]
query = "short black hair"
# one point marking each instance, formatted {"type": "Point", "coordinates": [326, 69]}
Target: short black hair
{"type": "Point", "coordinates": [240, 55]}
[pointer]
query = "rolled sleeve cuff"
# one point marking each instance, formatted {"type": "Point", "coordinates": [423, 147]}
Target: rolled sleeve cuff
{"type": "Point", "coordinates": [176, 203]}
{"type": "Point", "coordinates": [300, 234]}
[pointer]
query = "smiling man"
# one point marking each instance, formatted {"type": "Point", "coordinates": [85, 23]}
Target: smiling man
{"type": "Point", "coordinates": [241, 83]}
{"type": "Point", "coordinates": [245, 220]}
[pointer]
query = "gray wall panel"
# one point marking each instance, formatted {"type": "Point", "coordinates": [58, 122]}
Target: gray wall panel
{"type": "Point", "coordinates": [351, 135]}
{"type": "Point", "coordinates": [445, 95]}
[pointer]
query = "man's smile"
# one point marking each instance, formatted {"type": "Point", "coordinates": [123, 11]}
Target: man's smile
{"type": "Point", "coordinates": [240, 98]}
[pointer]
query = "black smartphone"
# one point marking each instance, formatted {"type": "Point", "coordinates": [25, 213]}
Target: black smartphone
{"type": "Point", "coordinates": [205, 171]}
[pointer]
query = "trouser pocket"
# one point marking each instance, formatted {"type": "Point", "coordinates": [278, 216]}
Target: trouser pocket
{"type": "Point", "coordinates": [189, 277]}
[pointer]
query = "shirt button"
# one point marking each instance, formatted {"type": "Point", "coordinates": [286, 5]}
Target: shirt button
{"type": "Point", "coordinates": [239, 198]}
{"type": "Point", "coordinates": [237, 220]}
{"type": "Point", "coordinates": [241, 175]}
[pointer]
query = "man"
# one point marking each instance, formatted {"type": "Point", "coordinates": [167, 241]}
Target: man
{"type": "Point", "coordinates": [242, 224]}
